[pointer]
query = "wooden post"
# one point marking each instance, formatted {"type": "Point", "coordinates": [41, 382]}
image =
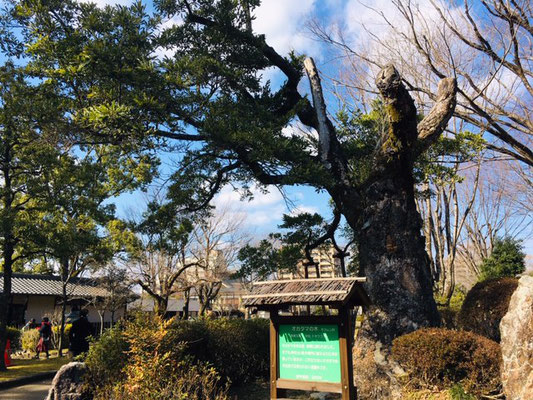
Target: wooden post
{"type": "Point", "coordinates": [345, 342]}
{"type": "Point", "coordinates": [275, 393]}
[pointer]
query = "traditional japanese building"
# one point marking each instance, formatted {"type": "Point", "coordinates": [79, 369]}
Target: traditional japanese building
{"type": "Point", "coordinates": [36, 296]}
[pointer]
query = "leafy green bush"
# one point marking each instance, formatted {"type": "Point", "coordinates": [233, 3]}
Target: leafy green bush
{"type": "Point", "coordinates": [442, 358]}
{"type": "Point", "coordinates": [506, 260]}
{"type": "Point", "coordinates": [485, 305]}
{"type": "Point", "coordinates": [29, 339]}
{"type": "Point", "coordinates": [193, 359]}
{"type": "Point", "coordinates": [145, 363]}
{"type": "Point", "coordinates": [237, 348]}
{"type": "Point", "coordinates": [14, 335]}
{"type": "Point", "coordinates": [106, 358]}
{"type": "Point", "coordinates": [56, 330]}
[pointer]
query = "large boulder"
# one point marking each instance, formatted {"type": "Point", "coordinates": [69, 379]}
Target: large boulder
{"type": "Point", "coordinates": [68, 383]}
{"type": "Point", "coordinates": [517, 343]}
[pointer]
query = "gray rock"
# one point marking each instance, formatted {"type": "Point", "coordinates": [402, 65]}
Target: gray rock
{"type": "Point", "coordinates": [68, 383]}
{"type": "Point", "coordinates": [516, 330]}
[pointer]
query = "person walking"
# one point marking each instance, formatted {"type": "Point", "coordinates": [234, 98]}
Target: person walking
{"type": "Point", "coordinates": [32, 324]}
{"type": "Point", "coordinates": [79, 332]}
{"type": "Point", "coordinates": [45, 336]}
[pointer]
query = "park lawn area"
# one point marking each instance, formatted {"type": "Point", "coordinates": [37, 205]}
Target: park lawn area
{"type": "Point", "coordinates": [21, 368]}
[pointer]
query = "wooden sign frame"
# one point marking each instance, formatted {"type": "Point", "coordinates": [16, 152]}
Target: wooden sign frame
{"type": "Point", "coordinates": [346, 387]}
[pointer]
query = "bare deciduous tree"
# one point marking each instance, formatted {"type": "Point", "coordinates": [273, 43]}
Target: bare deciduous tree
{"type": "Point", "coordinates": [158, 273]}
{"type": "Point", "coordinates": [216, 242]}
{"type": "Point", "coordinates": [485, 44]}
{"type": "Point", "coordinates": [119, 287]}
{"type": "Point", "coordinates": [497, 212]}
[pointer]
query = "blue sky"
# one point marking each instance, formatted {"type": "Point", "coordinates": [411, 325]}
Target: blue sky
{"type": "Point", "coordinates": [283, 23]}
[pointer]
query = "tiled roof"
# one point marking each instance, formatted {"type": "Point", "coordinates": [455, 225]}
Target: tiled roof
{"type": "Point", "coordinates": [50, 285]}
{"type": "Point", "coordinates": [332, 291]}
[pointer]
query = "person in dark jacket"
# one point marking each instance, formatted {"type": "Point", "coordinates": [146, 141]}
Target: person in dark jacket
{"type": "Point", "coordinates": [79, 332]}
{"type": "Point", "coordinates": [45, 337]}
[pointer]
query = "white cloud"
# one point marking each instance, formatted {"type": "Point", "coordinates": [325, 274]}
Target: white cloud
{"type": "Point", "coordinates": [229, 195]}
{"type": "Point", "coordinates": [282, 22]}
{"type": "Point", "coordinates": [162, 52]}
{"type": "Point", "coordinates": [264, 211]}
{"type": "Point", "coordinates": [265, 208]}
{"type": "Point", "coordinates": [305, 209]}
{"type": "Point", "coordinates": [103, 3]}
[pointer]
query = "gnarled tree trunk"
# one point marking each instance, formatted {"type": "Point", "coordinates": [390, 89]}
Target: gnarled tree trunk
{"type": "Point", "coordinates": [383, 212]}
{"type": "Point", "coordinates": [392, 256]}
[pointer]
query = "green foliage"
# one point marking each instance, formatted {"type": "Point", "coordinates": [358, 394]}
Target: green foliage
{"type": "Point", "coordinates": [165, 228]}
{"type": "Point", "coordinates": [507, 259]}
{"type": "Point", "coordinates": [106, 359]}
{"type": "Point", "coordinates": [29, 339]}
{"type": "Point", "coordinates": [144, 361]}
{"type": "Point", "coordinates": [260, 261]}
{"type": "Point", "coordinates": [237, 348]}
{"type": "Point", "coordinates": [283, 251]}
{"type": "Point", "coordinates": [434, 164]}
{"type": "Point", "coordinates": [457, 392]}
{"type": "Point", "coordinates": [14, 335]}
{"type": "Point", "coordinates": [450, 311]}
{"type": "Point", "coordinates": [485, 305]}
{"type": "Point", "coordinates": [217, 351]}
{"type": "Point", "coordinates": [442, 358]}
{"type": "Point", "coordinates": [360, 133]}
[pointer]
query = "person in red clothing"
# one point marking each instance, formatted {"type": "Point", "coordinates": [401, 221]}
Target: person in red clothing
{"type": "Point", "coordinates": [45, 333]}
{"type": "Point", "coordinates": [7, 353]}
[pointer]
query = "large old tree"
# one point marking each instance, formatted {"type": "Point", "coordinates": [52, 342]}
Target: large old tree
{"type": "Point", "coordinates": [207, 100]}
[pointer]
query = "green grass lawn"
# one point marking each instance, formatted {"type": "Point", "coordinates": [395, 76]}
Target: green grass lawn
{"type": "Point", "coordinates": [23, 367]}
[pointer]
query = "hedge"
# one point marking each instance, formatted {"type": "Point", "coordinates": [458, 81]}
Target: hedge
{"type": "Point", "coordinates": [485, 305]}
{"type": "Point", "coordinates": [442, 358]}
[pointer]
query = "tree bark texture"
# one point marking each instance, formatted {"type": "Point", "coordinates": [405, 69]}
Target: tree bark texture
{"type": "Point", "coordinates": [5, 301]}
{"type": "Point", "coordinates": [392, 250]}
{"type": "Point", "coordinates": [64, 296]}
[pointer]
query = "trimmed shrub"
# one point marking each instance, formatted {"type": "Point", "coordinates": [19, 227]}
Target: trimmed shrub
{"type": "Point", "coordinates": [485, 305]}
{"type": "Point", "coordinates": [238, 349]}
{"type": "Point", "coordinates": [29, 339]}
{"type": "Point", "coordinates": [443, 358]}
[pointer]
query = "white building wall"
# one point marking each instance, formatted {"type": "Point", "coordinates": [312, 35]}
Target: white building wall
{"type": "Point", "coordinates": [39, 306]}
{"type": "Point", "coordinates": [94, 317]}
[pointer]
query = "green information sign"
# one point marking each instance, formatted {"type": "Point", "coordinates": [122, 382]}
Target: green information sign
{"type": "Point", "coordinates": [309, 353]}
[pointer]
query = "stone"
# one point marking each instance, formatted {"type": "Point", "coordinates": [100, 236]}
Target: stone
{"type": "Point", "coordinates": [377, 376]}
{"type": "Point", "coordinates": [516, 329]}
{"type": "Point", "coordinates": [68, 383]}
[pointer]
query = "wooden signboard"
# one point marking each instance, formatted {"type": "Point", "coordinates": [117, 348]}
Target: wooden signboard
{"type": "Point", "coordinates": [312, 353]}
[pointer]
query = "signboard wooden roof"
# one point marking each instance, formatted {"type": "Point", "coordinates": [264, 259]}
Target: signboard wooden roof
{"type": "Point", "coordinates": [318, 291]}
